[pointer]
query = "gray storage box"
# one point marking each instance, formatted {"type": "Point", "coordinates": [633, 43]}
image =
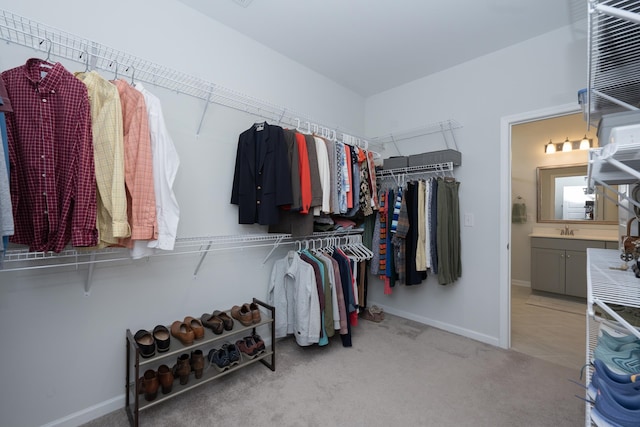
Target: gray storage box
{"type": "Point", "coordinates": [433, 157]}
{"type": "Point", "coordinates": [395, 162]}
{"type": "Point", "coordinates": [609, 121]}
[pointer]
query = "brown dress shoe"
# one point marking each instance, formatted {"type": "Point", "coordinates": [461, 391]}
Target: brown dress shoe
{"type": "Point", "coordinates": [165, 377]}
{"type": "Point", "coordinates": [255, 312]}
{"type": "Point", "coordinates": [182, 332]}
{"type": "Point", "coordinates": [242, 314]}
{"type": "Point", "coordinates": [182, 369]}
{"type": "Point", "coordinates": [197, 363]}
{"type": "Point", "coordinates": [212, 322]}
{"type": "Point", "coordinates": [226, 320]}
{"type": "Point", "coordinates": [151, 385]}
{"type": "Point", "coordinates": [196, 325]}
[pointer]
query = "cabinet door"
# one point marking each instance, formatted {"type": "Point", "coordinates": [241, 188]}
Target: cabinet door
{"type": "Point", "coordinates": [576, 273]}
{"type": "Point", "coordinates": [547, 270]}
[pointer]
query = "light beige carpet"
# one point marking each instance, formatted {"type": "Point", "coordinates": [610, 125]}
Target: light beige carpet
{"type": "Point", "coordinates": [398, 372]}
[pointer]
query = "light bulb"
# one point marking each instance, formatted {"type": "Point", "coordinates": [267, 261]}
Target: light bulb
{"type": "Point", "coordinates": [566, 146]}
{"type": "Point", "coordinates": [584, 144]}
{"type": "Point", "coordinates": [550, 148]}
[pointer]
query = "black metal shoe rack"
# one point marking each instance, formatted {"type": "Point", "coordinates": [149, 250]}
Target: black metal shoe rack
{"type": "Point", "coordinates": [136, 365]}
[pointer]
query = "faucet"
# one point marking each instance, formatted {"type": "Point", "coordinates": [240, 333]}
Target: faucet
{"type": "Point", "coordinates": [566, 231]}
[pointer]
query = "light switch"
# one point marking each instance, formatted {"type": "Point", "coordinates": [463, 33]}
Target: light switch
{"type": "Point", "coordinates": [469, 220]}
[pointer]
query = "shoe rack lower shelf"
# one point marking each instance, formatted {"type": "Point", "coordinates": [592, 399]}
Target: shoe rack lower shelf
{"type": "Point", "coordinates": [210, 373]}
{"type": "Point", "coordinates": [136, 364]}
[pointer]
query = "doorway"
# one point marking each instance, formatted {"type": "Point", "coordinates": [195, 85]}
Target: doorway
{"type": "Point", "coordinates": [525, 327]}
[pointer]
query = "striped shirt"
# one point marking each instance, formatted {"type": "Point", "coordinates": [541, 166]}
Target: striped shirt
{"type": "Point", "coordinates": [138, 165]}
{"type": "Point", "coordinates": [108, 151]}
{"type": "Point", "coordinates": [52, 175]}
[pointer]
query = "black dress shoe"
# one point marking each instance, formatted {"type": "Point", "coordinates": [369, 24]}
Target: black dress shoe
{"type": "Point", "coordinates": [145, 342]}
{"type": "Point", "coordinates": [162, 337]}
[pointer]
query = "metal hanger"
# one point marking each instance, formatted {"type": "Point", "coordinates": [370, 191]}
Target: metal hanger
{"type": "Point", "coordinates": [115, 77]}
{"type": "Point", "coordinates": [133, 74]}
{"type": "Point", "coordinates": [86, 61]}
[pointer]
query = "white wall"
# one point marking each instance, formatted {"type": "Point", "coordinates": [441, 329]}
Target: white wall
{"type": "Point", "coordinates": [63, 353]}
{"type": "Point", "coordinates": [541, 72]}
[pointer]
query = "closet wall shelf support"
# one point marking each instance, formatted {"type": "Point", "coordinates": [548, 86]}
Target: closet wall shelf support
{"type": "Point", "coordinates": [26, 32]}
{"type": "Point", "coordinates": [204, 111]}
{"type": "Point", "coordinates": [276, 244]}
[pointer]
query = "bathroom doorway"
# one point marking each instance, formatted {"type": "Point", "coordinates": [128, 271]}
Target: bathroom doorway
{"type": "Point", "coordinates": [536, 328]}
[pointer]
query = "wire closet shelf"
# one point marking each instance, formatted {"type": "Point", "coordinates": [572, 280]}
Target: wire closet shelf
{"type": "Point", "coordinates": [60, 44]}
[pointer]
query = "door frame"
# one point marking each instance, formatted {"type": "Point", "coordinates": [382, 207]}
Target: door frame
{"type": "Point", "coordinates": [504, 254]}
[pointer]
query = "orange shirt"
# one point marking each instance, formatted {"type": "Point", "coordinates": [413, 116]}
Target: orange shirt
{"type": "Point", "coordinates": [347, 150]}
{"type": "Point", "coordinates": [138, 166]}
{"type": "Point", "coordinates": [305, 173]}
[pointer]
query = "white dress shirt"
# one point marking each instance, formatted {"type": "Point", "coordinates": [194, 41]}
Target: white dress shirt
{"type": "Point", "coordinates": [165, 168]}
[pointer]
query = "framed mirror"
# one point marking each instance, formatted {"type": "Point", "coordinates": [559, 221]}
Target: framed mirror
{"type": "Point", "coordinates": [563, 197]}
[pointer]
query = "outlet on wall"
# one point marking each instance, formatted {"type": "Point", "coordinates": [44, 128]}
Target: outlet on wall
{"type": "Point", "coordinates": [469, 220]}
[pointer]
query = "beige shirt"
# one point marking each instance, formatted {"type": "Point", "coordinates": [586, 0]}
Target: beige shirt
{"type": "Point", "coordinates": [108, 153]}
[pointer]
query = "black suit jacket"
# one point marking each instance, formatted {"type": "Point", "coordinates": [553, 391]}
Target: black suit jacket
{"type": "Point", "coordinates": [262, 177]}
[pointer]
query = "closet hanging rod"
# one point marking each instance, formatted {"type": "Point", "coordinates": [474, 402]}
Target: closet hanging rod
{"type": "Point", "coordinates": [26, 32]}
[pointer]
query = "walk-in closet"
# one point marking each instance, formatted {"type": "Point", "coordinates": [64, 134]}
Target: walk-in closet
{"type": "Point", "coordinates": [274, 213]}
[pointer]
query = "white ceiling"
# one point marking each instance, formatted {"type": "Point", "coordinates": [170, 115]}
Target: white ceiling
{"type": "Point", "coordinates": [370, 46]}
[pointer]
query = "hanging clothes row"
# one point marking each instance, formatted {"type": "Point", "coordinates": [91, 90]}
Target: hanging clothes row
{"type": "Point", "coordinates": [297, 183]}
{"type": "Point", "coordinates": [318, 292]}
{"type": "Point", "coordinates": [91, 162]}
{"type": "Point", "coordinates": [417, 230]}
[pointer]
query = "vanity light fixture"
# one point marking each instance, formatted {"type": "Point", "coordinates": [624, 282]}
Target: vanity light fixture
{"type": "Point", "coordinates": [568, 146]}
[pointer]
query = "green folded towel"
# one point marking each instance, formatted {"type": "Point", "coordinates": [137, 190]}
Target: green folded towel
{"type": "Point", "coordinates": [519, 213]}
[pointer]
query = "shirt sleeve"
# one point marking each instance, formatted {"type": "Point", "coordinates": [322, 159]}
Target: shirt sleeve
{"type": "Point", "coordinates": [83, 222]}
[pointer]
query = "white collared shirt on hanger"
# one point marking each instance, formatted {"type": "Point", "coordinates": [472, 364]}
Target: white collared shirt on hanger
{"type": "Point", "coordinates": [165, 168]}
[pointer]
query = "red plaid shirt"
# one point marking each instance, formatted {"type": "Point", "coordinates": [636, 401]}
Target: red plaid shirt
{"type": "Point", "coordinates": [53, 188]}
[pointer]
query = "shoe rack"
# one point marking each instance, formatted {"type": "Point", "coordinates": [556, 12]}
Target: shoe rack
{"type": "Point", "coordinates": [135, 402]}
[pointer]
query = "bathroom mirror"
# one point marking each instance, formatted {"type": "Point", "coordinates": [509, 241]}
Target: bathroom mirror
{"type": "Point", "coordinates": [563, 197]}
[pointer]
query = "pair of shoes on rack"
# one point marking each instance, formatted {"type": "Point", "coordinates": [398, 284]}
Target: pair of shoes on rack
{"type": "Point", "coordinates": [225, 357]}
{"type": "Point", "coordinates": [149, 383]}
{"type": "Point", "coordinates": [218, 321]}
{"type": "Point", "coordinates": [189, 363]}
{"type": "Point", "coordinates": [624, 384]}
{"type": "Point", "coordinates": [618, 342]}
{"type": "Point", "coordinates": [614, 409]}
{"type": "Point", "coordinates": [373, 313]}
{"type": "Point", "coordinates": [251, 346]}
{"type": "Point", "coordinates": [247, 314]}
{"type": "Point", "coordinates": [625, 361]}
{"type": "Point", "coordinates": [148, 342]}
{"type": "Point", "coordinates": [187, 330]}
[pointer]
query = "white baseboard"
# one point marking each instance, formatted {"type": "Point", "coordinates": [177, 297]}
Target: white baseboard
{"type": "Point", "coordinates": [522, 283]}
{"type": "Point", "coordinates": [440, 325]}
{"type": "Point", "coordinates": [90, 413]}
